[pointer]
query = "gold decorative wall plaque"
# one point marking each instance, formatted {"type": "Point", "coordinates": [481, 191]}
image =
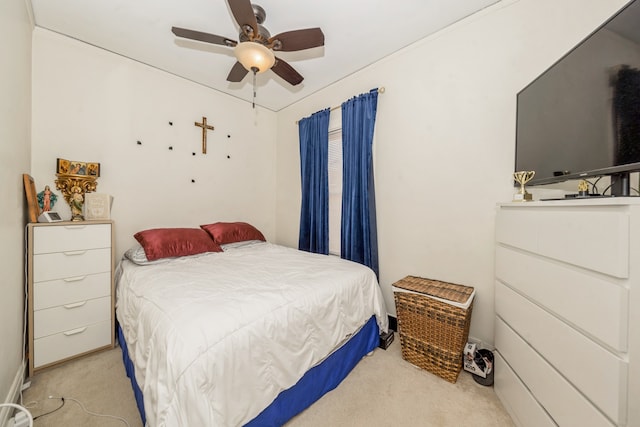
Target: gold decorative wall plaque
{"type": "Point", "coordinates": [72, 167]}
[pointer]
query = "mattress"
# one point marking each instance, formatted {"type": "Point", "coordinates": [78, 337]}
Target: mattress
{"type": "Point", "coordinates": [214, 339]}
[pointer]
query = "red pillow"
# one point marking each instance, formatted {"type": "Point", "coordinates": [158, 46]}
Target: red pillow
{"type": "Point", "coordinates": [174, 242]}
{"type": "Point", "coordinates": [231, 232]}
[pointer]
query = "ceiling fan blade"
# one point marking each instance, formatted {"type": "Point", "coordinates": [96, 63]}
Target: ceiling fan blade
{"type": "Point", "coordinates": [203, 37]}
{"type": "Point", "coordinates": [287, 72]}
{"type": "Point", "coordinates": [237, 73]}
{"type": "Point", "coordinates": [297, 40]}
{"type": "Point", "coordinates": [243, 13]}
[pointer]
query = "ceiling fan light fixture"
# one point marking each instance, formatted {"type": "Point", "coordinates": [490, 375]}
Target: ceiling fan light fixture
{"type": "Point", "coordinates": [254, 55]}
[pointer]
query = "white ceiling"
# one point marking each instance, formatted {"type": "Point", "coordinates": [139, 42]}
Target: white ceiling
{"type": "Point", "coordinates": [357, 34]}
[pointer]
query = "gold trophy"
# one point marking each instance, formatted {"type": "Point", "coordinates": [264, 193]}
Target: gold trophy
{"type": "Point", "coordinates": [522, 177]}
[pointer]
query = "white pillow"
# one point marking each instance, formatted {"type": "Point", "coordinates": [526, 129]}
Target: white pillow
{"type": "Point", "coordinates": [238, 245]}
{"type": "Point", "coordinates": [137, 256]}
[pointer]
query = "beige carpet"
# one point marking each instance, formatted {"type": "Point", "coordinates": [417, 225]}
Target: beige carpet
{"type": "Point", "coordinates": [383, 390]}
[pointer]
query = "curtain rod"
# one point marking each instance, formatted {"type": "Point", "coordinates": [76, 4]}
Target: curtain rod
{"type": "Point", "coordinates": [380, 90]}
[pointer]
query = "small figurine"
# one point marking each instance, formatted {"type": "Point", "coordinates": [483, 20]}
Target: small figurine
{"type": "Point", "coordinates": [46, 199]}
{"type": "Point", "coordinates": [77, 201]}
{"type": "Point", "coordinates": [583, 188]}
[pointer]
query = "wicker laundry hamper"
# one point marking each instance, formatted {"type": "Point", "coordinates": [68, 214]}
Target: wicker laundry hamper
{"type": "Point", "coordinates": [433, 323]}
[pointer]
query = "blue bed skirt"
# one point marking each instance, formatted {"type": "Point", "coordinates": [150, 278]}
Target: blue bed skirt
{"type": "Point", "coordinates": [312, 386]}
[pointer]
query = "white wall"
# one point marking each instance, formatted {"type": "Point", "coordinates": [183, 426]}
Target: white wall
{"type": "Point", "coordinates": [15, 115]}
{"type": "Point", "coordinates": [92, 105]}
{"type": "Point", "coordinates": [444, 148]}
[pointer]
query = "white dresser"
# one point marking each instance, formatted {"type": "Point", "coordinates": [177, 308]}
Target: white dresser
{"type": "Point", "coordinates": [70, 290]}
{"type": "Point", "coordinates": [567, 328]}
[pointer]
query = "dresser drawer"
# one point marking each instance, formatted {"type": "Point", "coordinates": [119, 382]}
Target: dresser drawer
{"type": "Point", "coordinates": [61, 238]}
{"type": "Point", "coordinates": [597, 304]}
{"type": "Point", "coordinates": [597, 373]}
{"type": "Point", "coordinates": [63, 291]}
{"type": "Point", "coordinates": [565, 404]}
{"type": "Point", "coordinates": [521, 405]}
{"type": "Point", "coordinates": [66, 344]}
{"type": "Point", "coordinates": [596, 237]}
{"type": "Point", "coordinates": [70, 316]}
{"type": "Point", "coordinates": [70, 264]}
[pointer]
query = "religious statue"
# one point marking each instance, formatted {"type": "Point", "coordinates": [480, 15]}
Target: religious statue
{"type": "Point", "coordinates": [46, 199]}
{"type": "Point", "coordinates": [77, 200]}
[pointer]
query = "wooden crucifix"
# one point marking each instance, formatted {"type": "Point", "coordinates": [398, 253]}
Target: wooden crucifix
{"type": "Point", "coordinates": [204, 127]}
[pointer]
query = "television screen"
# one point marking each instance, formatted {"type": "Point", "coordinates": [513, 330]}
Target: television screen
{"type": "Point", "coordinates": [581, 117]}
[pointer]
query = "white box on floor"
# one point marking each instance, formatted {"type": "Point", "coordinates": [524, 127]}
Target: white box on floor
{"type": "Point", "coordinates": [470, 364]}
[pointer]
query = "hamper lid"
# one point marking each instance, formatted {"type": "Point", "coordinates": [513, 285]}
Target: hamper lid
{"type": "Point", "coordinates": [458, 295]}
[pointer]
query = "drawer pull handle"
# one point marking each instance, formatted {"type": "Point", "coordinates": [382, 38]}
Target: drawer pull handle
{"type": "Point", "coordinates": [75, 331]}
{"type": "Point", "coordinates": [75, 305]}
{"type": "Point", "coordinates": [74, 279]}
{"type": "Point", "coordinates": [74, 227]}
{"type": "Point", "coordinates": [73, 253]}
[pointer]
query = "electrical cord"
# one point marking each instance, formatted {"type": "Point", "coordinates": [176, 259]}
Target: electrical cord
{"type": "Point", "coordinates": [95, 414]}
{"type": "Point", "coordinates": [50, 412]}
{"type": "Point", "coordinates": [26, 308]}
{"type": "Point", "coordinates": [593, 185]}
{"type": "Point", "coordinates": [25, 312]}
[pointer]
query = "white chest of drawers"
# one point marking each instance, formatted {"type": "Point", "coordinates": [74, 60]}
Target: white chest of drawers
{"type": "Point", "coordinates": [567, 327]}
{"type": "Point", "coordinates": [70, 291]}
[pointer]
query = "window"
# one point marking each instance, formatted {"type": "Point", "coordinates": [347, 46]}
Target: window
{"type": "Point", "coordinates": [335, 189]}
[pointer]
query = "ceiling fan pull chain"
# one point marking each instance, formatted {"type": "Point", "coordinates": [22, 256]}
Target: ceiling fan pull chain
{"type": "Point", "coordinates": [254, 69]}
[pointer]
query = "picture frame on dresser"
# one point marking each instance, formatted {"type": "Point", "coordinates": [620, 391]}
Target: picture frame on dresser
{"type": "Point", "coordinates": [70, 288]}
{"type": "Point", "coordinates": [31, 196]}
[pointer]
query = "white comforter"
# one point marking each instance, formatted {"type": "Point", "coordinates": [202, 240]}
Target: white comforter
{"type": "Point", "coordinates": [215, 338]}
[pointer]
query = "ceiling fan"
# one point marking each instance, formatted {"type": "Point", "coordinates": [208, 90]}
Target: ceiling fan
{"type": "Point", "coordinates": [256, 47]}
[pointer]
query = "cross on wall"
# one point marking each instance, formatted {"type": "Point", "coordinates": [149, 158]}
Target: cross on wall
{"type": "Point", "coordinates": [204, 127]}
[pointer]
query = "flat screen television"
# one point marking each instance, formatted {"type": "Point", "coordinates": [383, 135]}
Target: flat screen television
{"type": "Point", "coordinates": [581, 118]}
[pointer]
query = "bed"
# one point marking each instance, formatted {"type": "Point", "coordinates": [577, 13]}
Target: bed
{"type": "Point", "coordinates": [251, 334]}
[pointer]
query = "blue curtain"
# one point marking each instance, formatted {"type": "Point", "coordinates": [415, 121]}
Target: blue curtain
{"type": "Point", "coordinates": [359, 236]}
{"type": "Point", "coordinates": [314, 158]}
